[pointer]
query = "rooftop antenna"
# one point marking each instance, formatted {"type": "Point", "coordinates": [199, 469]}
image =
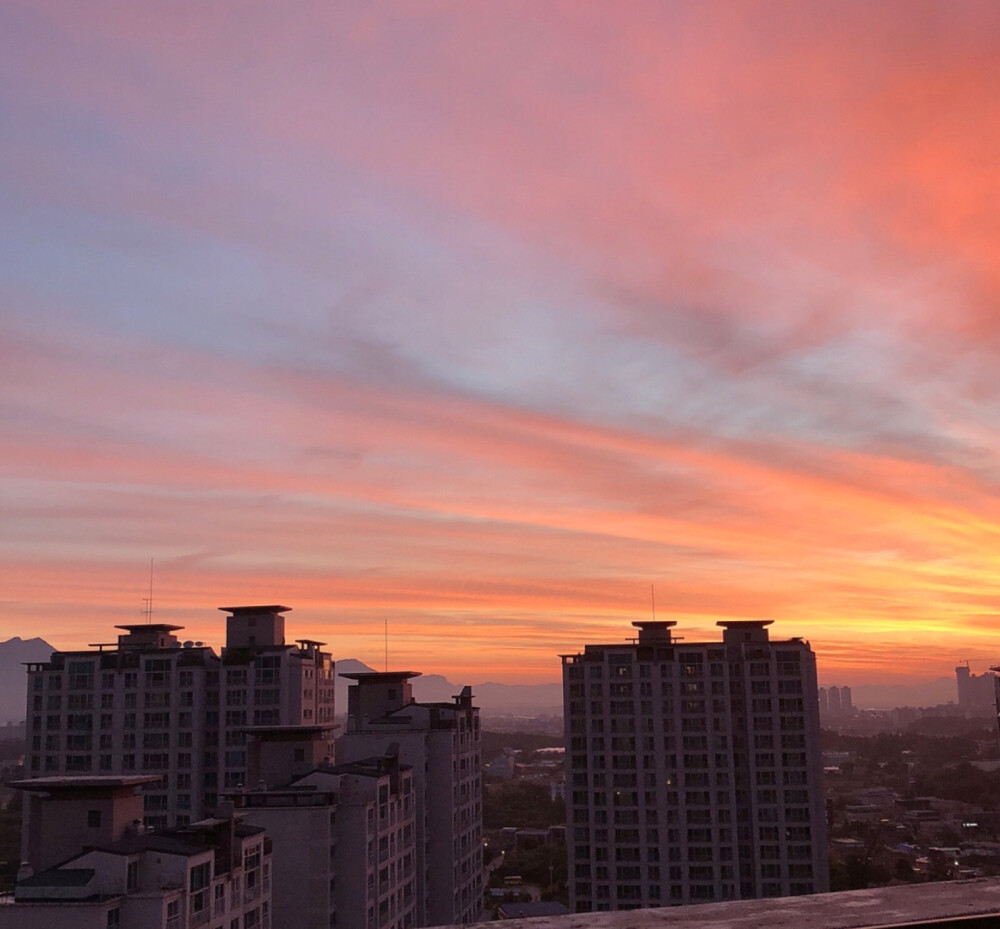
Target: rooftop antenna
{"type": "Point", "coordinates": [652, 596]}
{"type": "Point", "coordinates": [147, 610]}
{"type": "Point", "coordinates": [387, 646]}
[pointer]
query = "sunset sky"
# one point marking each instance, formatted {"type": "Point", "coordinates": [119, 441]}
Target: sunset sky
{"type": "Point", "coordinates": [482, 318]}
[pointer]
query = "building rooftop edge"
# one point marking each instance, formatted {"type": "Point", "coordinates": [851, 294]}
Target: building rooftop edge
{"type": "Point", "coordinates": [83, 781]}
{"type": "Point", "coordinates": [160, 627]}
{"type": "Point", "coordinates": [911, 905]}
{"type": "Point", "coordinates": [266, 608]}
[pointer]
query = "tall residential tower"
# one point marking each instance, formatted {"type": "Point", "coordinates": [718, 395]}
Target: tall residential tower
{"type": "Point", "coordinates": [693, 769]}
{"type": "Point", "coordinates": [151, 704]}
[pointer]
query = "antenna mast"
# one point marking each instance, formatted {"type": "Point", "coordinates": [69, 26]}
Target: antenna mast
{"type": "Point", "coordinates": [652, 597]}
{"type": "Point", "coordinates": [387, 646]}
{"type": "Point", "coordinates": [147, 610]}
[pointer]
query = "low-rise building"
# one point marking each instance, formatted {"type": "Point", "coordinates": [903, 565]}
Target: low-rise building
{"type": "Point", "coordinates": [89, 864]}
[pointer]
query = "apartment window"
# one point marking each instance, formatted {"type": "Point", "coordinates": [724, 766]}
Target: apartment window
{"type": "Point", "coordinates": [200, 875]}
{"type": "Point", "coordinates": [620, 665]}
{"type": "Point", "coordinates": [81, 675]}
{"type": "Point", "coordinates": [114, 917]}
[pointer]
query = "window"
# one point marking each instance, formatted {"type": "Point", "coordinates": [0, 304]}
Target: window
{"type": "Point", "coordinates": [114, 917]}
{"type": "Point", "coordinates": [200, 876]}
{"type": "Point", "coordinates": [93, 819]}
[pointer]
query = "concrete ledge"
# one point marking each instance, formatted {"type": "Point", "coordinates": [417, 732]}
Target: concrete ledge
{"type": "Point", "coordinates": [912, 905]}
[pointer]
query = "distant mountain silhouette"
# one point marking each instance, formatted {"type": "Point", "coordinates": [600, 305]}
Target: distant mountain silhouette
{"type": "Point", "coordinates": [524, 699]}
{"type": "Point", "coordinates": [13, 679]}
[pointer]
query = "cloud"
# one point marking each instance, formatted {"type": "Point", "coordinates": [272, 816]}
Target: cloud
{"type": "Point", "coordinates": [493, 316]}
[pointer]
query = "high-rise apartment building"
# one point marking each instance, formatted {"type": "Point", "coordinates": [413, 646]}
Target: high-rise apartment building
{"type": "Point", "coordinates": [344, 836]}
{"type": "Point", "coordinates": [693, 769]}
{"type": "Point", "coordinates": [976, 692]}
{"type": "Point", "coordinates": [441, 743]}
{"type": "Point", "coordinates": [151, 704]}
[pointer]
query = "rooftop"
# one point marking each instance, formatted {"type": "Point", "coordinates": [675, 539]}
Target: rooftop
{"type": "Point", "coordinates": [914, 905]}
{"type": "Point", "coordinates": [369, 677]}
{"type": "Point", "coordinates": [84, 782]}
{"type": "Point", "coordinates": [268, 608]}
{"type": "Point", "coordinates": [151, 627]}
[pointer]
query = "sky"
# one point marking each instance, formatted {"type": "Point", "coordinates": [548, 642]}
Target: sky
{"type": "Point", "coordinates": [502, 325]}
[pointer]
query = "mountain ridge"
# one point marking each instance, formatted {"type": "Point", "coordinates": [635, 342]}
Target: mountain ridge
{"type": "Point", "coordinates": [13, 683]}
{"type": "Point", "coordinates": [491, 696]}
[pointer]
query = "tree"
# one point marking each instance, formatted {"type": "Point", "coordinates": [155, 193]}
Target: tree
{"type": "Point", "coordinates": [522, 804]}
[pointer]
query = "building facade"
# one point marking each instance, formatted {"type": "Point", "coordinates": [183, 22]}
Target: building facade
{"type": "Point", "coordinates": [151, 704]}
{"type": "Point", "coordinates": [91, 865]}
{"type": "Point", "coordinates": [344, 838]}
{"type": "Point", "coordinates": [693, 770]}
{"type": "Point", "coordinates": [441, 743]}
{"type": "Point", "coordinates": [976, 692]}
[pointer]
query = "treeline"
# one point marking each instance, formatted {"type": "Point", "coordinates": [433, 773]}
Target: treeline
{"type": "Point", "coordinates": [964, 782]}
{"type": "Point", "coordinates": [888, 747]}
{"type": "Point", "coordinates": [522, 804]}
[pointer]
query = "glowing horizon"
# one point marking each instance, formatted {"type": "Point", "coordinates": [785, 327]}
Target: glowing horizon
{"type": "Point", "coordinates": [485, 318]}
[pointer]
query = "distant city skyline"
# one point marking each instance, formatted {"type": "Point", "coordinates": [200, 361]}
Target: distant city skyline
{"type": "Point", "coordinates": [485, 318]}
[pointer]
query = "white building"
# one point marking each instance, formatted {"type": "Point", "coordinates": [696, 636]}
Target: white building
{"type": "Point", "coordinates": [440, 741]}
{"type": "Point", "coordinates": [92, 866]}
{"type": "Point", "coordinates": [152, 704]}
{"type": "Point", "coordinates": [693, 770]}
